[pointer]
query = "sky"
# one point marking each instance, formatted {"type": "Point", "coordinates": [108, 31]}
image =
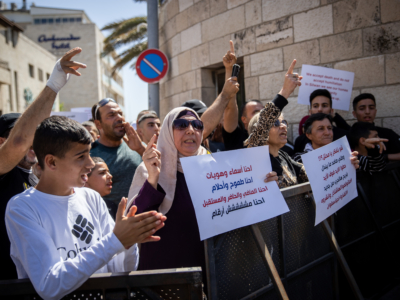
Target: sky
{"type": "Point", "coordinates": [103, 12]}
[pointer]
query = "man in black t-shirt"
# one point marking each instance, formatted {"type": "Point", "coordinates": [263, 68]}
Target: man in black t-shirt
{"type": "Point", "coordinates": [16, 154]}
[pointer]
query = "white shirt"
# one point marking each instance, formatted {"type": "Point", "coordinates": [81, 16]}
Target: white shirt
{"type": "Point", "coordinates": [58, 242]}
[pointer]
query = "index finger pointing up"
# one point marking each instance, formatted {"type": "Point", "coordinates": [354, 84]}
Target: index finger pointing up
{"type": "Point", "coordinates": [151, 142]}
{"type": "Point", "coordinates": [290, 71]}
{"type": "Point", "coordinates": [232, 47]}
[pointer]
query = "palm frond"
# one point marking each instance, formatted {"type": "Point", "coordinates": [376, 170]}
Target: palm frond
{"type": "Point", "coordinates": [133, 36]}
{"type": "Point", "coordinates": [129, 55]}
{"type": "Point", "coordinates": [126, 26]}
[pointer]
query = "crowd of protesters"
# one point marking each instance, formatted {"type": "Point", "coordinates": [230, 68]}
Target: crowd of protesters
{"type": "Point", "coordinates": [76, 220]}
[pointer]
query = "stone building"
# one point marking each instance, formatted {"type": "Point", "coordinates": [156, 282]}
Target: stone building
{"type": "Point", "coordinates": [24, 68]}
{"type": "Point", "coordinates": [362, 36]}
{"type": "Point", "coordinates": [59, 30]}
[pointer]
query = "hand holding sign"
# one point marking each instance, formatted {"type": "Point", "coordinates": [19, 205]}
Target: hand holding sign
{"type": "Point", "coordinates": [354, 159]}
{"type": "Point", "coordinates": [272, 176]}
{"type": "Point", "coordinates": [152, 161]}
{"type": "Point", "coordinates": [292, 80]}
{"type": "Point", "coordinates": [229, 58]}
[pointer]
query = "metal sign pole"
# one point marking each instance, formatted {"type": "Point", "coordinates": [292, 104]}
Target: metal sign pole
{"type": "Point", "coordinates": [152, 38]}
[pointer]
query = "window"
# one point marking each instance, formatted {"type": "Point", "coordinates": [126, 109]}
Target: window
{"type": "Point", "coordinates": [72, 19]}
{"type": "Point", "coordinates": [65, 20]}
{"type": "Point", "coordinates": [44, 21]}
{"type": "Point", "coordinates": [58, 20]}
{"type": "Point", "coordinates": [40, 74]}
{"type": "Point", "coordinates": [31, 71]}
{"type": "Point", "coordinates": [47, 76]}
{"type": "Point", "coordinates": [37, 21]}
{"type": "Point", "coordinates": [8, 35]}
{"type": "Point", "coordinates": [79, 20]}
{"type": "Point", "coordinates": [50, 21]}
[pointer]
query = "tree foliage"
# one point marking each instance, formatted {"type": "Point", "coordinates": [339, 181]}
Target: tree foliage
{"type": "Point", "coordinates": [128, 34]}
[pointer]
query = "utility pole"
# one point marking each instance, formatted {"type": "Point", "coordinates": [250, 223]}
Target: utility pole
{"type": "Point", "coordinates": [152, 38]}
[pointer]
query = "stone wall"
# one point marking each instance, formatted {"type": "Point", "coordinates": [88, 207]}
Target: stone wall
{"type": "Point", "coordinates": [362, 36]}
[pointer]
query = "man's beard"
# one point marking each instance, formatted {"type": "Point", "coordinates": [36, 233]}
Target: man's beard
{"type": "Point", "coordinates": [27, 163]}
{"type": "Point", "coordinates": [110, 134]}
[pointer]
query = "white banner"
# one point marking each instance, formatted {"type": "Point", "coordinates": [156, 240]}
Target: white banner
{"type": "Point", "coordinates": [77, 116]}
{"type": "Point", "coordinates": [339, 83]}
{"type": "Point", "coordinates": [228, 190]}
{"type": "Point", "coordinates": [87, 110]}
{"type": "Point", "coordinates": [332, 177]}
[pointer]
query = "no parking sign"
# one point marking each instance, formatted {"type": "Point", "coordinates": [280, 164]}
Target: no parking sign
{"type": "Point", "coordinates": [152, 65]}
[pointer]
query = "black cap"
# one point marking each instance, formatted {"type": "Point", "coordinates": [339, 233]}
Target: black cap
{"type": "Point", "coordinates": [7, 121]}
{"type": "Point", "coordinates": [197, 105]}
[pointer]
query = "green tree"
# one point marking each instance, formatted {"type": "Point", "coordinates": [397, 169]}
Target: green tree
{"type": "Point", "coordinates": [128, 34]}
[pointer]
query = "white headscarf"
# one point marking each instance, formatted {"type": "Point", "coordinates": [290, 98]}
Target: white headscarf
{"type": "Point", "coordinates": [170, 163]}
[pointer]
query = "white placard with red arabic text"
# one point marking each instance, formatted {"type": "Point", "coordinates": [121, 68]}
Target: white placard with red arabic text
{"type": "Point", "coordinates": [332, 177]}
{"type": "Point", "coordinates": [228, 190]}
{"type": "Point", "coordinates": [339, 83]}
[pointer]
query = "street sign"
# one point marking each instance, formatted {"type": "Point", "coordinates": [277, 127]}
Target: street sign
{"type": "Point", "coordinates": [152, 65]}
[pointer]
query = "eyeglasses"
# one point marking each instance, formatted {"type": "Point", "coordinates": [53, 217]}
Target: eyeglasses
{"type": "Point", "coordinates": [182, 124]}
{"type": "Point", "coordinates": [278, 123]}
{"type": "Point", "coordinates": [101, 103]}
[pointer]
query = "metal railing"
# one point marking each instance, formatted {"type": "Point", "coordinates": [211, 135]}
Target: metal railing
{"type": "Point", "coordinates": [173, 284]}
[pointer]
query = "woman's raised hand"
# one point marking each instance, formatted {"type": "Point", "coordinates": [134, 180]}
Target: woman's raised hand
{"type": "Point", "coordinates": [152, 160]}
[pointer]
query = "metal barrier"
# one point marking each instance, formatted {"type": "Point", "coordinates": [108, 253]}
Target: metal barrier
{"type": "Point", "coordinates": [174, 284]}
{"type": "Point", "coordinates": [368, 229]}
{"type": "Point", "coordinates": [306, 261]}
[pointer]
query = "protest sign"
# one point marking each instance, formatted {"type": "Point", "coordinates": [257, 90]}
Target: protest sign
{"type": "Point", "coordinates": [228, 190]}
{"type": "Point", "coordinates": [339, 83]}
{"type": "Point", "coordinates": [77, 116]}
{"type": "Point", "coordinates": [87, 110]}
{"type": "Point", "coordinates": [332, 177]}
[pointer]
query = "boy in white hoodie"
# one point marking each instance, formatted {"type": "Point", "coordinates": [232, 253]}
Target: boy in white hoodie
{"type": "Point", "coordinates": [60, 235]}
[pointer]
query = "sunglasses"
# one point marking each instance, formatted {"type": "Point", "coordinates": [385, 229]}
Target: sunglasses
{"type": "Point", "coordinates": [278, 123]}
{"type": "Point", "coordinates": [182, 124]}
{"type": "Point", "coordinates": [101, 104]}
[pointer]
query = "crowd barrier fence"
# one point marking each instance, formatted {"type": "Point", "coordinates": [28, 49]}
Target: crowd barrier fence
{"type": "Point", "coordinates": [172, 284]}
{"type": "Point", "coordinates": [352, 255]}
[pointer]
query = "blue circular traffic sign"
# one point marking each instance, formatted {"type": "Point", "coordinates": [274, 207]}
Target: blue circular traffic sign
{"type": "Point", "coordinates": [152, 65]}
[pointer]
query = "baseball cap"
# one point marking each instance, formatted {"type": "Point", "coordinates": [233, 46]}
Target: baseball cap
{"type": "Point", "coordinates": [197, 105]}
{"type": "Point", "coordinates": [7, 121]}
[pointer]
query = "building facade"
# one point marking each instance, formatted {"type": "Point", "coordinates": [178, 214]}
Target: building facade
{"type": "Point", "coordinates": [361, 36]}
{"type": "Point", "coordinates": [59, 30]}
{"type": "Point", "coordinates": [24, 68]}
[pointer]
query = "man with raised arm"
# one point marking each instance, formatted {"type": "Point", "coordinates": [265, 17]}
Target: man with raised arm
{"type": "Point", "coordinates": [234, 136]}
{"type": "Point", "coordinates": [16, 154]}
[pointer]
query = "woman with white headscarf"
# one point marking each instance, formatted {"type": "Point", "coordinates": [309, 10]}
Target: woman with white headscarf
{"type": "Point", "coordinates": [164, 189]}
{"type": "Point", "coordinates": [159, 184]}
